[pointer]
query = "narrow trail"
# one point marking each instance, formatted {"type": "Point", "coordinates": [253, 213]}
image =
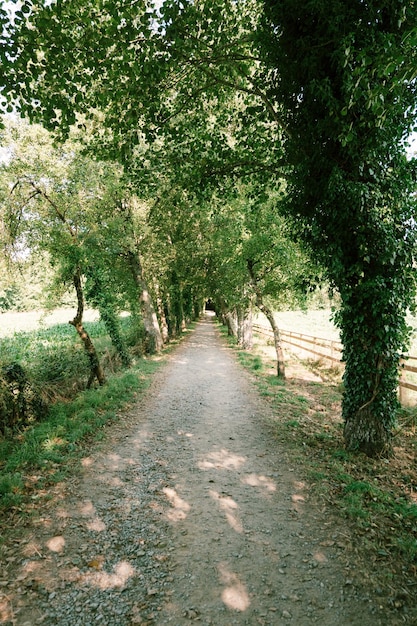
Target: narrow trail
{"type": "Point", "coordinates": [189, 512]}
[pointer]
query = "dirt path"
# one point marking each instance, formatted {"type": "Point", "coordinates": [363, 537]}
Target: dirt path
{"type": "Point", "coordinates": [188, 513]}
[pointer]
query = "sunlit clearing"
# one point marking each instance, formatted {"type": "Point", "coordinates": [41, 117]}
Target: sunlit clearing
{"type": "Point", "coordinates": [222, 459]}
{"type": "Point", "coordinates": [235, 595]}
{"type": "Point", "coordinates": [122, 572]}
{"type": "Point", "coordinates": [56, 544]}
{"type": "Point", "coordinates": [254, 480]}
{"type": "Point", "coordinates": [180, 507]}
{"type": "Point", "coordinates": [230, 509]}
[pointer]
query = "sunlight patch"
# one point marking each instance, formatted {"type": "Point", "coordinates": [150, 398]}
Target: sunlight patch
{"type": "Point", "coordinates": [320, 557]}
{"type": "Point", "coordinates": [235, 595]}
{"type": "Point", "coordinates": [297, 498]}
{"type": "Point", "coordinates": [96, 524]}
{"type": "Point", "coordinates": [255, 480]}
{"type": "Point", "coordinates": [62, 513]}
{"type": "Point", "coordinates": [182, 433]}
{"type": "Point", "coordinates": [180, 507]}
{"type": "Point", "coordinates": [298, 501]}
{"type": "Point", "coordinates": [118, 579]}
{"type": "Point", "coordinates": [115, 460]}
{"type": "Point", "coordinates": [230, 509]}
{"type": "Point", "coordinates": [222, 459]}
{"type": "Point", "coordinates": [115, 481]}
{"type": "Point", "coordinates": [87, 508]}
{"type": "Point", "coordinates": [56, 544]}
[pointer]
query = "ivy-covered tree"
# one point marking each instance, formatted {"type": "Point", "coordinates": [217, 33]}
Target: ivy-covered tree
{"type": "Point", "coordinates": [343, 76]}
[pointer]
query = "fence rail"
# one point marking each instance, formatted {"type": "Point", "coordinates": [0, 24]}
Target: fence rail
{"type": "Point", "coordinates": [332, 350]}
{"type": "Point", "coordinates": [325, 348]}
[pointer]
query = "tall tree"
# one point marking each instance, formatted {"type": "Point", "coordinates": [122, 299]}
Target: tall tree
{"type": "Point", "coordinates": [43, 205]}
{"type": "Point", "coordinates": [343, 76]}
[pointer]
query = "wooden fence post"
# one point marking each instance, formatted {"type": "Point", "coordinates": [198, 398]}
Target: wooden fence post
{"type": "Point", "coordinates": [402, 378]}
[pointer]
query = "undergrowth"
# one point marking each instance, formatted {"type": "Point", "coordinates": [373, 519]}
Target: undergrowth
{"type": "Point", "coordinates": [41, 451]}
{"type": "Point", "coordinates": [45, 452]}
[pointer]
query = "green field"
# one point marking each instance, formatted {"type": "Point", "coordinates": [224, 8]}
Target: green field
{"type": "Point", "coordinates": [17, 322]}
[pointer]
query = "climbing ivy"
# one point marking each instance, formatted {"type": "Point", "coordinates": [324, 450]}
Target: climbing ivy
{"type": "Point", "coordinates": [348, 95]}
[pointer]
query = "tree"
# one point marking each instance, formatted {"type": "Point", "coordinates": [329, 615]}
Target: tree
{"type": "Point", "coordinates": [281, 273]}
{"type": "Point", "coordinates": [41, 206]}
{"type": "Point", "coordinates": [343, 75]}
{"type": "Point", "coordinates": [92, 203]}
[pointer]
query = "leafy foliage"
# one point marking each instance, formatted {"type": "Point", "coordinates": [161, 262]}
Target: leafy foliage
{"type": "Point", "coordinates": [350, 185]}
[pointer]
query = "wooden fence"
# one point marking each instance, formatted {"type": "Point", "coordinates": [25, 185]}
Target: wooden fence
{"type": "Point", "coordinates": [332, 351]}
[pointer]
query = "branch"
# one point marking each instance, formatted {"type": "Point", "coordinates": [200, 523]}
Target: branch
{"type": "Point", "coordinates": [60, 215]}
{"type": "Point", "coordinates": [253, 165]}
{"type": "Point", "coordinates": [254, 91]}
{"type": "Point", "coordinates": [190, 98]}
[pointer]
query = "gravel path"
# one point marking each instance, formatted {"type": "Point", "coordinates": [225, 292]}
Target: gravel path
{"type": "Point", "coordinates": [190, 512]}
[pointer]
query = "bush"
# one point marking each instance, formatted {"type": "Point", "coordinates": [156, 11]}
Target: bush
{"type": "Point", "coordinates": [20, 401]}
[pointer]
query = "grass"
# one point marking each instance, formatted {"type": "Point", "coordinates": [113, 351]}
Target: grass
{"type": "Point", "coordinates": [45, 453]}
{"type": "Point", "coordinates": [376, 498]}
{"type": "Point", "coordinates": [38, 454]}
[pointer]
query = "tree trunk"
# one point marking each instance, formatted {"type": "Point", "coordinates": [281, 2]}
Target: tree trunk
{"type": "Point", "coordinates": [96, 371]}
{"type": "Point", "coordinates": [371, 351]}
{"type": "Point", "coordinates": [244, 327]}
{"type": "Point", "coordinates": [277, 338]}
{"type": "Point", "coordinates": [101, 298]}
{"type": "Point", "coordinates": [177, 304]}
{"type": "Point", "coordinates": [370, 401]}
{"type": "Point", "coordinates": [150, 320]}
{"type": "Point", "coordinates": [231, 323]}
{"type": "Point", "coordinates": [188, 303]}
{"type": "Point", "coordinates": [365, 432]}
{"type": "Point", "coordinates": [270, 317]}
{"type": "Point", "coordinates": [163, 318]}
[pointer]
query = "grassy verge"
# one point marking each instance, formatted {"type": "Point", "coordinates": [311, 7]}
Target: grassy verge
{"type": "Point", "coordinates": [37, 455]}
{"type": "Point", "coordinates": [375, 498]}
{"type": "Point", "coordinates": [45, 453]}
